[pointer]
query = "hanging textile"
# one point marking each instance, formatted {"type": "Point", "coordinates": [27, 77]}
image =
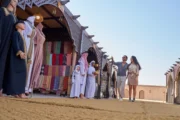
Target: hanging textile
{"type": "Point", "coordinates": [57, 70]}
{"type": "Point", "coordinates": [47, 59]}
{"type": "Point", "coordinates": [56, 47]}
{"type": "Point", "coordinates": [61, 84]}
{"type": "Point", "coordinates": [53, 59]}
{"type": "Point", "coordinates": [56, 83]}
{"type": "Point", "coordinates": [68, 47]}
{"type": "Point", "coordinates": [57, 59]}
{"type": "Point", "coordinates": [46, 67]}
{"type": "Point", "coordinates": [62, 47]}
{"type": "Point", "coordinates": [50, 71]}
{"type": "Point", "coordinates": [60, 59]}
{"type": "Point", "coordinates": [62, 70]}
{"type": "Point", "coordinates": [50, 59]}
{"type": "Point", "coordinates": [44, 83]}
{"type": "Point", "coordinates": [64, 59]}
{"type": "Point", "coordinates": [65, 83]}
{"type": "Point", "coordinates": [67, 73]}
{"type": "Point", "coordinates": [48, 47]}
{"type": "Point", "coordinates": [53, 70]}
{"type": "Point", "coordinates": [69, 57]}
{"type": "Point", "coordinates": [49, 82]}
{"type": "Point", "coordinates": [52, 83]}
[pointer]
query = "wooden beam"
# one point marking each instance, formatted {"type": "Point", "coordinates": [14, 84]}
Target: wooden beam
{"type": "Point", "coordinates": [100, 48]}
{"type": "Point", "coordinates": [44, 8]}
{"type": "Point", "coordinates": [63, 2]}
{"type": "Point", "coordinates": [96, 43]}
{"type": "Point", "coordinates": [90, 36]}
{"type": "Point", "coordinates": [84, 27]}
{"type": "Point", "coordinates": [74, 17]}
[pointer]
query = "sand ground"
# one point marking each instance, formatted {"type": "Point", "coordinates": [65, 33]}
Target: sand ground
{"type": "Point", "coordinates": [69, 109]}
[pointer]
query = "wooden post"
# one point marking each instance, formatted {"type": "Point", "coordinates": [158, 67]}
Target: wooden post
{"type": "Point", "coordinates": [71, 71]}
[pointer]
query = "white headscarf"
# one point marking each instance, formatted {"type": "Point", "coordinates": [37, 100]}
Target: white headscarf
{"type": "Point", "coordinates": [31, 19]}
{"type": "Point", "coordinates": [83, 59]}
{"type": "Point", "coordinates": [91, 68]}
{"type": "Point", "coordinates": [92, 63]}
{"type": "Point", "coordinates": [75, 72]}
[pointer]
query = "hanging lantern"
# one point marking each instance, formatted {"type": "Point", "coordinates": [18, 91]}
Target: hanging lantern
{"type": "Point", "coordinates": [38, 18]}
{"type": "Point", "coordinates": [96, 65]}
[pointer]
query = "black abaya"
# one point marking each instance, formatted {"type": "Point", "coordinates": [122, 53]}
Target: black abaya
{"type": "Point", "coordinates": [7, 21]}
{"type": "Point", "coordinates": [16, 77]}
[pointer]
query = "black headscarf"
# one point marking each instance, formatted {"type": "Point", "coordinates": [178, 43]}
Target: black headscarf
{"type": "Point", "coordinates": [5, 3]}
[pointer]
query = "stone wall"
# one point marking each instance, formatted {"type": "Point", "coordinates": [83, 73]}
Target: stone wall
{"type": "Point", "coordinates": [149, 92]}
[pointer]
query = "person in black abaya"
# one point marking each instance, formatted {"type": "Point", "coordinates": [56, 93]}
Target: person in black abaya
{"type": "Point", "coordinates": [17, 71]}
{"type": "Point", "coordinates": [7, 21]}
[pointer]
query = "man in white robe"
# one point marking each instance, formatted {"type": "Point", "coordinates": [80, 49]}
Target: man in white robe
{"type": "Point", "coordinates": [91, 81]}
{"type": "Point", "coordinates": [83, 71]}
{"type": "Point", "coordinates": [29, 34]}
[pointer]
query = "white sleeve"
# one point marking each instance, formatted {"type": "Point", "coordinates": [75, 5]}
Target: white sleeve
{"type": "Point", "coordinates": [82, 68]}
{"type": "Point", "coordinates": [93, 70]}
{"type": "Point", "coordinates": [73, 77]}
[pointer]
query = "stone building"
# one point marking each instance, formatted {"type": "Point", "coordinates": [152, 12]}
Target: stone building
{"type": "Point", "coordinates": [173, 84]}
{"type": "Point", "coordinates": [149, 92]}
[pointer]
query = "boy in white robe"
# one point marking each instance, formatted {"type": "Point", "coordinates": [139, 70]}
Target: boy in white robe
{"type": "Point", "coordinates": [76, 81]}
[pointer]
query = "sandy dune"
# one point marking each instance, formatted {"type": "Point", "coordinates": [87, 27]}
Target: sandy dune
{"type": "Point", "coordinates": [68, 109]}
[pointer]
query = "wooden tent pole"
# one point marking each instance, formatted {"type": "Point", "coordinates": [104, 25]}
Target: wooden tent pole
{"type": "Point", "coordinates": [74, 54]}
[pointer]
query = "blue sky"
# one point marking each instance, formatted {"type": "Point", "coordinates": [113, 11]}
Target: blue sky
{"type": "Point", "coordinates": [148, 29]}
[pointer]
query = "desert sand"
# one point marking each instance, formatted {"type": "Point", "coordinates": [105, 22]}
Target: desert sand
{"type": "Point", "coordinates": [70, 109]}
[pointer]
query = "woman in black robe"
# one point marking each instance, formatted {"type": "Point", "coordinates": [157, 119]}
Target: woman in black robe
{"type": "Point", "coordinates": [16, 77]}
{"type": "Point", "coordinates": [7, 21]}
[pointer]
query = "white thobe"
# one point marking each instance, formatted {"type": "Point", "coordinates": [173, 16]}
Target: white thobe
{"type": "Point", "coordinates": [27, 32]}
{"type": "Point", "coordinates": [91, 83]}
{"type": "Point", "coordinates": [83, 78]}
{"type": "Point", "coordinates": [75, 88]}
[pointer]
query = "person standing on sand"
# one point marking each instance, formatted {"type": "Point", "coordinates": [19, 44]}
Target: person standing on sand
{"type": "Point", "coordinates": [91, 81]}
{"type": "Point", "coordinates": [121, 76]}
{"type": "Point", "coordinates": [133, 73]}
{"type": "Point", "coordinates": [7, 21]}
{"type": "Point", "coordinates": [75, 89]}
{"type": "Point", "coordinates": [17, 70]}
{"type": "Point", "coordinates": [83, 71]}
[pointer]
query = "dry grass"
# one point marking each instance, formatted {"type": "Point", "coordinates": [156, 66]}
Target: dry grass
{"type": "Point", "coordinates": [68, 109]}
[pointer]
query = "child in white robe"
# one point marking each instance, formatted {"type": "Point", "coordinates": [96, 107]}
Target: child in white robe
{"type": "Point", "coordinates": [76, 82]}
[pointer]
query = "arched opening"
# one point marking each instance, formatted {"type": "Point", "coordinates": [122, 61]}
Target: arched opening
{"type": "Point", "coordinates": [141, 94]}
{"type": "Point", "coordinates": [92, 55]}
{"type": "Point", "coordinates": [126, 93]}
{"type": "Point", "coordinates": [170, 98]}
{"type": "Point", "coordinates": [58, 48]}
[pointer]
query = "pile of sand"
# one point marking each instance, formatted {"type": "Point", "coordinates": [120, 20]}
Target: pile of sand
{"type": "Point", "coordinates": [69, 109]}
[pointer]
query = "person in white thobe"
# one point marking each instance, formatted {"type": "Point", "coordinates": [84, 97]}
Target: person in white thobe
{"type": "Point", "coordinates": [29, 35]}
{"type": "Point", "coordinates": [76, 81]}
{"type": "Point", "coordinates": [91, 81]}
{"type": "Point", "coordinates": [83, 71]}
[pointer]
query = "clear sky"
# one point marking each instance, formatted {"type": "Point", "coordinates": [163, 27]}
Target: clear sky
{"type": "Point", "coordinates": [148, 29]}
